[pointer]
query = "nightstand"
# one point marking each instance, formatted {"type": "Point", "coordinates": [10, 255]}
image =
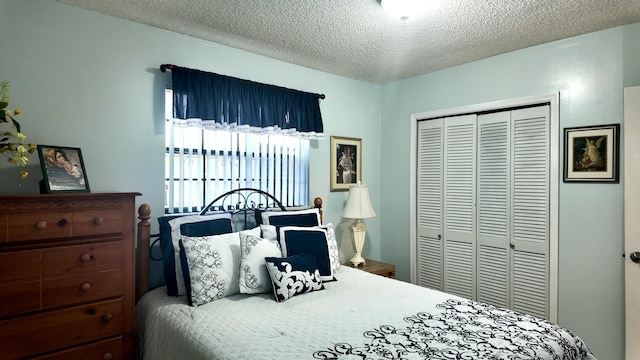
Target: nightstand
{"type": "Point", "coordinates": [377, 267]}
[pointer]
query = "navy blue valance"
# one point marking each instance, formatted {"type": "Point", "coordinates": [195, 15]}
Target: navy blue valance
{"type": "Point", "coordinates": [239, 104]}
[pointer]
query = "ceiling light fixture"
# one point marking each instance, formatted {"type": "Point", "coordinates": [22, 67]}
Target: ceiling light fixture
{"type": "Point", "coordinates": [404, 9]}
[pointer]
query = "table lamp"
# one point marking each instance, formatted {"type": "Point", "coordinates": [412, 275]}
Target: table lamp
{"type": "Point", "coordinates": [358, 207]}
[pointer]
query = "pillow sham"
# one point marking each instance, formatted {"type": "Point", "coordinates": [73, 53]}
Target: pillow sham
{"type": "Point", "coordinates": [297, 240]}
{"type": "Point", "coordinates": [293, 275]}
{"type": "Point", "coordinates": [308, 217]}
{"type": "Point", "coordinates": [254, 278]}
{"type": "Point", "coordinates": [171, 228]}
{"type": "Point", "coordinates": [260, 210]}
{"type": "Point", "coordinates": [332, 243]}
{"type": "Point", "coordinates": [212, 269]}
{"type": "Point", "coordinates": [269, 232]}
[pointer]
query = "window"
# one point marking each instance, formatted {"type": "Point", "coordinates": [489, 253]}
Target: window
{"type": "Point", "coordinates": [202, 163]}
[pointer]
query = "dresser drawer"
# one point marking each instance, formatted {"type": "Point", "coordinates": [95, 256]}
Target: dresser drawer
{"type": "Point", "coordinates": [19, 298]}
{"type": "Point", "coordinates": [81, 288]}
{"type": "Point", "coordinates": [81, 259]}
{"type": "Point", "coordinates": [102, 350]}
{"type": "Point", "coordinates": [19, 282]}
{"type": "Point", "coordinates": [19, 266]}
{"type": "Point", "coordinates": [3, 228]}
{"type": "Point", "coordinates": [95, 222]}
{"type": "Point", "coordinates": [39, 226]}
{"type": "Point", "coordinates": [36, 334]}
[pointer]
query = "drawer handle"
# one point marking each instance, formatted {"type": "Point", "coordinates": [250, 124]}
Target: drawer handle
{"type": "Point", "coordinates": [85, 257]}
{"type": "Point", "coordinates": [41, 225]}
{"type": "Point", "coordinates": [85, 287]}
{"type": "Point", "coordinates": [106, 318]}
{"type": "Point", "coordinates": [62, 222]}
{"type": "Point", "coordinates": [98, 220]}
{"type": "Point", "coordinates": [107, 356]}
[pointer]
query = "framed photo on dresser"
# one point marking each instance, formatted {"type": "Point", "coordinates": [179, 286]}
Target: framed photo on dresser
{"type": "Point", "coordinates": [62, 169]}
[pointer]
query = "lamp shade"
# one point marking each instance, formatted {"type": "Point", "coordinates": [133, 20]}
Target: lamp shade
{"type": "Point", "coordinates": [358, 205]}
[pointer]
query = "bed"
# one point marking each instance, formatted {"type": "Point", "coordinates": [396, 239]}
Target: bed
{"type": "Point", "coordinates": [315, 308]}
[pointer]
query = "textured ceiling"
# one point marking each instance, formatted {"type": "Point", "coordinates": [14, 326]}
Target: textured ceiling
{"type": "Point", "coordinates": [357, 39]}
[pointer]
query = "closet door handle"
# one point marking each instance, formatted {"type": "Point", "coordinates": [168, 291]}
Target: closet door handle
{"type": "Point", "coordinates": [635, 257]}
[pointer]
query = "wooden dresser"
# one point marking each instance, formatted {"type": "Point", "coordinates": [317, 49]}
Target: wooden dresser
{"type": "Point", "coordinates": [66, 276]}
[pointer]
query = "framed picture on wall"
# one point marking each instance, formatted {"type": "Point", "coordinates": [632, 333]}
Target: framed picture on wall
{"type": "Point", "coordinates": [591, 154]}
{"type": "Point", "coordinates": [346, 162]}
{"type": "Point", "coordinates": [62, 169]}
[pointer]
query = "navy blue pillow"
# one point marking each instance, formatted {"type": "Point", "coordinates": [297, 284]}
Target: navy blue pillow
{"type": "Point", "coordinates": [305, 217]}
{"type": "Point", "coordinates": [293, 275]}
{"type": "Point", "coordinates": [299, 240]}
{"type": "Point", "coordinates": [168, 253]}
{"type": "Point", "coordinates": [215, 226]}
{"type": "Point", "coordinates": [310, 219]}
{"type": "Point", "coordinates": [258, 216]}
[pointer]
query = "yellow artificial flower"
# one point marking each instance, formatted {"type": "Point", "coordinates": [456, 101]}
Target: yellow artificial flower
{"type": "Point", "coordinates": [13, 144]}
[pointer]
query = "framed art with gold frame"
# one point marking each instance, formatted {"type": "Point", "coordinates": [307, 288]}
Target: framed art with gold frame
{"type": "Point", "coordinates": [346, 162]}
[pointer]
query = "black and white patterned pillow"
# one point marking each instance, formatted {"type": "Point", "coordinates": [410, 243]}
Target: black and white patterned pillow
{"type": "Point", "coordinates": [254, 278]}
{"type": "Point", "coordinates": [293, 275]}
{"type": "Point", "coordinates": [213, 264]}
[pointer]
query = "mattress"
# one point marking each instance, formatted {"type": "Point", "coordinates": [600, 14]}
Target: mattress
{"type": "Point", "coordinates": [359, 316]}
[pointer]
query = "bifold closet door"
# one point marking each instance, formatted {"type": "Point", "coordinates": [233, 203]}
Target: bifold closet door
{"type": "Point", "coordinates": [446, 208]}
{"type": "Point", "coordinates": [513, 210]}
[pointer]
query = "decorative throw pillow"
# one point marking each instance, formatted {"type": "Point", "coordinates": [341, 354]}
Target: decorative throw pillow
{"type": "Point", "coordinates": [190, 225]}
{"type": "Point", "coordinates": [297, 240]}
{"type": "Point", "coordinates": [308, 217]}
{"type": "Point", "coordinates": [260, 210]}
{"type": "Point", "coordinates": [332, 243]}
{"type": "Point", "coordinates": [269, 232]}
{"type": "Point", "coordinates": [212, 264]}
{"type": "Point", "coordinates": [293, 275]}
{"type": "Point", "coordinates": [254, 278]}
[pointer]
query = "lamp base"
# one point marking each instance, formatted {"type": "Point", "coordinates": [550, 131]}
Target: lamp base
{"type": "Point", "coordinates": [358, 229]}
{"type": "Point", "coordinates": [357, 259]}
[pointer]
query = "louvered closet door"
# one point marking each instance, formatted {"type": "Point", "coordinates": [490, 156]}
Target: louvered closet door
{"type": "Point", "coordinates": [530, 201]}
{"type": "Point", "coordinates": [493, 207]}
{"type": "Point", "coordinates": [429, 202]}
{"type": "Point", "coordinates": [459, 205]}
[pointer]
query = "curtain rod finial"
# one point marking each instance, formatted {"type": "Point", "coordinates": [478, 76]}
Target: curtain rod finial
{"type": "Point", "coordinates": [164, 67]}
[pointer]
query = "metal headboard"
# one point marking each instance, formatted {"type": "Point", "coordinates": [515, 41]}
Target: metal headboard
{"type": "Point", "coordinates": [243, 199]}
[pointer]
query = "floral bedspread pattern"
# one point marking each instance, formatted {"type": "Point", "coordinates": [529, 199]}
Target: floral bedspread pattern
{"type": "Point", "coordinates": [464, 330]}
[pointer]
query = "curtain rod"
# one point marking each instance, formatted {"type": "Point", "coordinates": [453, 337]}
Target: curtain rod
{"type": "Point", "coordinates": [165, 67]}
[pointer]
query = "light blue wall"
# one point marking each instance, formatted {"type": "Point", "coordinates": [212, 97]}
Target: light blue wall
{"type": "Point", "coordinates": [92, 81]}
{"type": "Point", "coordinates": [589, 74]}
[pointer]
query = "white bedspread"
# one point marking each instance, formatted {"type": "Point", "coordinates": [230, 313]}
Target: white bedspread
{"type": "Point", "coordinates": [360, 316]}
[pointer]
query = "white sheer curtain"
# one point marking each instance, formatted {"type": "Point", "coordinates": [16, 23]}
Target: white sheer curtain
{"type": "Point", "coordinates": [202, 163]}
